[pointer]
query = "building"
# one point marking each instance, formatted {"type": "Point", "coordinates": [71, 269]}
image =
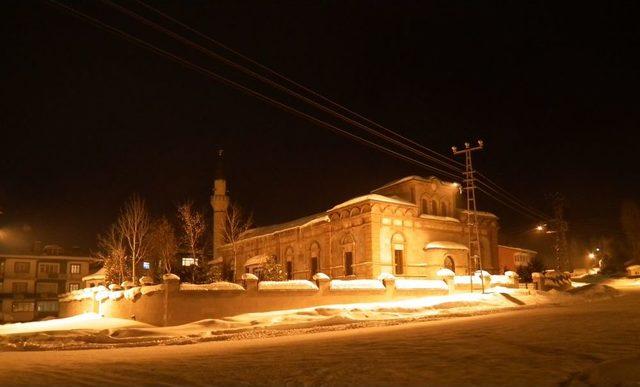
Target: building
{"type": "Point", "coordinates": [30, 283]}
{"type": "Point", "coordinates": [409, 227]}
{"type": "Point", "coordinates": [510, 258]}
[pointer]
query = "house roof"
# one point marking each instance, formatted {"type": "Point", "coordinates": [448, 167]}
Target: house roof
{"type": "Point", "coordinates": [518, 249]}
{"type": "Point", "coordinates": [48, 257]}
{"type": "Point", "coordinates": [98, 275]}
{"type": "Point", "coordinates": [409, 178]}
{"type": "Point", "coordinates": [257, 260]}
{"type": "Point", "coordinates": [300, 222]}
{"type": "Point", "coordinates": [372, 197]}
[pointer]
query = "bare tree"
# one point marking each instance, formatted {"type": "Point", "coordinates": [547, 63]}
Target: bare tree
{"type": "Point", "coordinates": [133, 223]}
{"type": "Point", "coordinates": [236, 223]}
{"type": "Point", "coordinates": [193, 227]}
{"type": "Point", "coordinates": [164, 244]}
{"type": "Point", "coordinates": [630, 219]}
{"type": "Point", "coordinates": [113, 253]}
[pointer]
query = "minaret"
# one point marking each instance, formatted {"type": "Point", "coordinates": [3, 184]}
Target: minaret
{"type": "Point", "coordinates": [219, 203]}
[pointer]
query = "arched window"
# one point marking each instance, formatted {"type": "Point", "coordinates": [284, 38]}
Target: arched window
{"type": "Point", "coordinates": [449, 264]}
{"type": "Point", "coordinates": [314, 252]}
{"type": "Point", "coordinates": [425, 206]}
{"type": "Point", "coordinates": [348, 247]}
{"type": "Point", "coordinates": [434, 207]}
{"type": "Point", "coordinates": [288, 259]}
{"type": "Point", "coordinates": [443, 209]}
{"type": "Point", "coordinates": [397, 249]}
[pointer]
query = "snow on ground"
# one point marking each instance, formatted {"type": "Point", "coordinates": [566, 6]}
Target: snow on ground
{"type": "Point", "coordinates": [578, 343]}
{"type": "Point", "coordinates": [93, 331]}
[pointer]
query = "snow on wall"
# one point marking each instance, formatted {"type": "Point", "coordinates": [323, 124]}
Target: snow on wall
{"type": "Point", "coordinates": [363, 284]}
{"type": "Point", "coordinates": [501, 280]}
{"type": "Point", "coordinates": [215, 286]}
{"type": "Point", "coordinates": [465, 279]}
{"type": "Point", "coordinates": [409, 284]}
{"type": "Point", "coordinates": [287, 285]}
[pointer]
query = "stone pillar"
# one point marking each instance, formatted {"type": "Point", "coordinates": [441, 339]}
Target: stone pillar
{"type": "Point", "coordinates": [448, 277]}
{"type": "Point", "coordinates": [514, 278]}
{"type": "Point", "coordinates": [324, 283]}
{"type": "Point", "coordinates": [389, 287]}
{"type": "Point", "coordinates": [538, 280]}
{"type": "Point", "coordinates": [250, 283]}
{"type": "Point", "coordinates": [171, 287]}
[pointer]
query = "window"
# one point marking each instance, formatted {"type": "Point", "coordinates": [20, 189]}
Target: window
{"type": "Point", "coordinates": [348, 263]}
{"type": "Point", "coordinates": [449, 264]}
{"type": "Point", "coordinates": [314, 265]}
{"type": "Point", "coordinates": [443, 209]}
{"type": "Point", "coordinates": [146, 265]}
{"type": "Point", "coordinates": [289, 270]}
{"type": "Point", "coordinates": [1, 266]}
{"type": "Point", "coordinates": [74, 286]}
{"type": "Point", "coordinates": [47, 287]}
{"type": "Point", "coordinates": [22, 307]}
{"type": "Point", "coordinates": [19, 287]}
{"type": "Point", "coordinates": [47, 306]}
{"type": "Point", "coordinates": [425, 206]}
{"type": "Point", "coordinates": [74, 268]}
{"type": "Point", "coordinates": [49, 268]}
{"type": "Point", "coordinates": [21, 267]}
{"type": "Point", "coordinates": [399, 264]}
{"type": "Point", "coordinates": [188, 261]}
{"type": "Point", "coordinates": [434, 207]}
{"type": "Point", "coordinates": [397, 246]}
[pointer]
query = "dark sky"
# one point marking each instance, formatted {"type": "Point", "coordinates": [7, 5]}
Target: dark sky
{"type": "Point", "coordinates": [87, 118]}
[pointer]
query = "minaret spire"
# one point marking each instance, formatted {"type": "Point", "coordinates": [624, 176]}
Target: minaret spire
{"type": "Point", "coordinates": [219, 203]}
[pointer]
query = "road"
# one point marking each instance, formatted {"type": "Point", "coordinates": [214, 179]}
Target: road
{"type": "Point", "coordinates": [542, 346]}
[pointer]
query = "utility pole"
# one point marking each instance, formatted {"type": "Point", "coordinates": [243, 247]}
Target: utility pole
{"type": "Point", "coordinates": [560, 228]}
{"type": "Point", "coordinates": [474, 258]}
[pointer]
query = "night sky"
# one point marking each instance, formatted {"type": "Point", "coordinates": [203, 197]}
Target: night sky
{"type": "Point", "coordinates": [87, 118]}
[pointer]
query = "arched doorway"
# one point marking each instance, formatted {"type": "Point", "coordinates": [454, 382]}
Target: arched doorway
{"type": "Point", "coordinates": [449, 263]}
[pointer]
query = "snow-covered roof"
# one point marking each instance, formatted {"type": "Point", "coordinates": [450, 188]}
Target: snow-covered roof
{"type": "Point", "coordinates": [257, 260]}
{"type": "Point", "coordinates": [443, 218]}
{"type": "Point", "coordinates": [372, 197]}
{"type": "Point", "coordinates": [518, 249]}
{"type": "Point", "coordinates": [481, 213]}
{"type": "Point", "coordinates": [98, 275]}
{"type": "Point", "coordinates": [275, 228]}
{"type": "Point", "coordinates": [445, 245]}
{"type": "Point", "coordinates": [408, 178]}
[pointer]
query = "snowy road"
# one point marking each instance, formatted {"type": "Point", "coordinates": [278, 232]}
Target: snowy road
{"type": "Point", "coordinates": [540, 346]}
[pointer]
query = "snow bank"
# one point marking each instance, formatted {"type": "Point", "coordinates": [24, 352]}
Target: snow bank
{"type": "Point", "coordinates": [363, 284]}
{"type": "Point", "coordinates": [287, 285]}
{"type": "Point", "coordinates": [215, 286]}
{"type": "Point", "coordinates": [408, 284]}
{"type": "Point", "coordinates": [90, 321]}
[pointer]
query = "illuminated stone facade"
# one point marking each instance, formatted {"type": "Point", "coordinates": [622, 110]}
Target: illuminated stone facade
{"type": "Point", "coordinates": [410, 227]}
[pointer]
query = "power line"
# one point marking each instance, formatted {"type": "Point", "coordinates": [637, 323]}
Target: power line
{"type": "Point", "coordinates": [270, 82]}
{"type": "Point", "coordinates": [489, 183]}
{"type": "Point", "coordinates": [240, 87]}
{"type": "Point", "coordinates": [173, 57]}
{"type": "Point", "coordinates": [308, 90]}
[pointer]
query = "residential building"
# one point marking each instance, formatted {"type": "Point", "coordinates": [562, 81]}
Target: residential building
{"type": "Point", "coordinates": [510, 258]}
{"type": "Point", "coordinates": [30, 283]}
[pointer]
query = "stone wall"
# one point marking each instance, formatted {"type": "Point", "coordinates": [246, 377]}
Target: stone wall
{"type": "Point", "coordinates": [172, 303]}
